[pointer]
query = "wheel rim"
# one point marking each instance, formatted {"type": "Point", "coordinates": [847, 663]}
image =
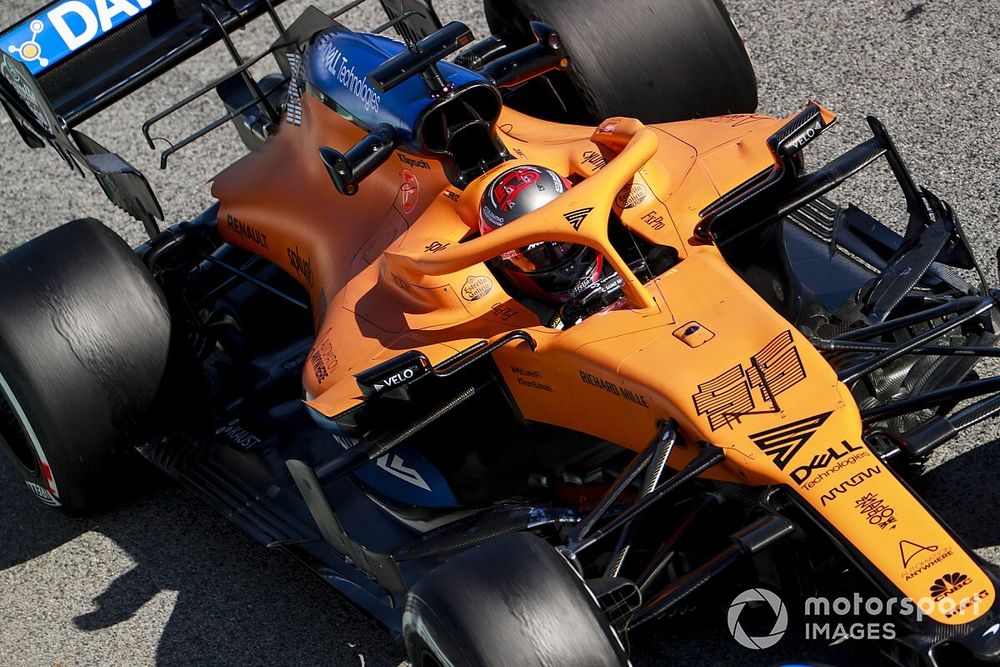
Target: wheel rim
{"type": "Point", "coordinates": [15, 437]}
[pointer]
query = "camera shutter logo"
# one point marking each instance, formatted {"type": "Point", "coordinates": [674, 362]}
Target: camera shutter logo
{"type": "Point", "coordinates": [777, 607]}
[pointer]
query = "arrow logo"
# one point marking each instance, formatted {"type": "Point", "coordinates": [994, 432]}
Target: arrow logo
{"type": "Point", "coordinates": [397, 468]}
{"type": "Point", "coordinates": [907, 550]}
{"type": "Point", "coordinates": [784, 442]}
{"type": "Point", "coordinates": [577, 217]}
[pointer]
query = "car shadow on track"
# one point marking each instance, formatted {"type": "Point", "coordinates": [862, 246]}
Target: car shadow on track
{"type": "Point", "coordinates": [236, 602]}
{"type": "Point", "coordinates": [703, 637]}
{"type": "Point", "coordinates": [964, 492]}
{"type": "Point", "coordinates": [27, 529]}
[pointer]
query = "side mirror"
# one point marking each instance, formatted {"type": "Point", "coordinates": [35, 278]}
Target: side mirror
{"type": "Point", "coordinates": [347, 170]}
{"type": "Point", "coordinates": [545, 55]}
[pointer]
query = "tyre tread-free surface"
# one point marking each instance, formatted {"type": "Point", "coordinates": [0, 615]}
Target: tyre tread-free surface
{"type": "Point", "coordinates": [648, 59]}
{"type": "Point", "coordinates": [511, 601]}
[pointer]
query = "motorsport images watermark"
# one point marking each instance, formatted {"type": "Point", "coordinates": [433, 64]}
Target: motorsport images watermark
{"type": "Point", "coordinates": [758, 618]}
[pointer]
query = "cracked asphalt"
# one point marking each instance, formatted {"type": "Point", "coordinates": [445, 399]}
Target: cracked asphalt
{"type": "Point", "coordinates": [166, 581]}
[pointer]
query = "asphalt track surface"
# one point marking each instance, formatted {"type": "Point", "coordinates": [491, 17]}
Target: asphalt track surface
{"type": "Point", "coordinates": [166, 581]}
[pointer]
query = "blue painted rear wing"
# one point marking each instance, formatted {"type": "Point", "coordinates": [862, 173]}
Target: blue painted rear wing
{"type": "Point", "coordinates": [49, 36]}
{"type": "Point", "coordinates": [88, 54]}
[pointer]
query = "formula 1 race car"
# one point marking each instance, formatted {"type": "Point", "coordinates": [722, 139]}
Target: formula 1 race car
{"type": "Point", "coordinates": [517, 344]}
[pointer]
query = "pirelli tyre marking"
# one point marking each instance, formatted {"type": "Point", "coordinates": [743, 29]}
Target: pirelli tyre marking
{"type": "Point", "coordinates": [50, 493]}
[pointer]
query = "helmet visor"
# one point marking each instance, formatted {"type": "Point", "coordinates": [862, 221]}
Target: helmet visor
{"type": "Point", "coordinates": [540, 256]}
{"type": "Point", "coordinates": [576, 273]}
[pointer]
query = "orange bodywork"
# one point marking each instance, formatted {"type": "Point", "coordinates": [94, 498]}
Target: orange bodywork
{"type": "Point", "coordinates": [399, 267]}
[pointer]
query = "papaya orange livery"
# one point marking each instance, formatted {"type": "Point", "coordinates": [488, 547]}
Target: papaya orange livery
{"type": "Point", "coordinates": [759, 386]}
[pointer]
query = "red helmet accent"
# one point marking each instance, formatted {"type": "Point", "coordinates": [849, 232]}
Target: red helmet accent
{"type": "Point", "coordinates": [508, 186]}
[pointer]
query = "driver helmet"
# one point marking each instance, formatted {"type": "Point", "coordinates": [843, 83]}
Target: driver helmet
{"type": "Point", "coordinates": [550, 271]}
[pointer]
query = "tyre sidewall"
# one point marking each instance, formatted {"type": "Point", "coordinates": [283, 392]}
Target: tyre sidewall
{"type": "Point", "coordinates": [14, 393]}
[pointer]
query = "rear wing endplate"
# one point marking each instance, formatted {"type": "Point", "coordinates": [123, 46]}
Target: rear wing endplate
{"type": "Point", "coordinates": [39, 125]}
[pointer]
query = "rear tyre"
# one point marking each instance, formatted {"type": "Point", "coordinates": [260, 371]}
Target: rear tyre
{"type": "Point", "coordinates": [84, 334]}
{"type": "Point", "coordinates": [511, 601]}
{"type": "Point", "coordinates": [648, 59]}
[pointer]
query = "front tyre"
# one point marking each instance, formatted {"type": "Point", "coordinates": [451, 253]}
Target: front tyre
{"type": "Point", "coordinates": [84, 336]}
{"type": "Point", "coordinates": [511, 601]}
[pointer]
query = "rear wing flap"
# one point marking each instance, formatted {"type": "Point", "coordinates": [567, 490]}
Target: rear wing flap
{"type": "Point", "coordinates": [97, 73]}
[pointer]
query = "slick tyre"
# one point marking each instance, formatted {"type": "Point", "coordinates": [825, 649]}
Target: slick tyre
{"type": "Point", "coordinates": [648, 59]}
{"type": "Point", "coordinates": [84, 334]}
{"type": "Point", "coordinates": [511, 601]}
